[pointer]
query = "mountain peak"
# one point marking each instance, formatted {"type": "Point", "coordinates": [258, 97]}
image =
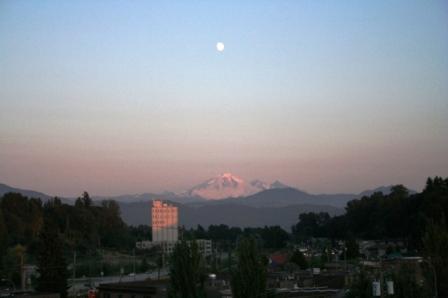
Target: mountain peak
{"type": "Point", "coordinates": [222, 186]}
{"type": "Point", "coordinates": [227, 175]}
{"type": "Point", "coordinates": [230, 177]}
{"type": "Point", "coordinates": [226, 185]}
{"type": "Point", "coordinates": [278, 184]}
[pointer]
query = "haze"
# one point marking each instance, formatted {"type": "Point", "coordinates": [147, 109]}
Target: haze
{"type": "Point", "coordinates": [125, 97]}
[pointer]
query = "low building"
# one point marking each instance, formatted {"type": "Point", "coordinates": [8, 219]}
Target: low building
{"type": "Point", "coordinates": [146, 244]}
{"type": "Point", "coordinates": [204, 245]}
{"type": "Point", "coordinates": [374, 249]}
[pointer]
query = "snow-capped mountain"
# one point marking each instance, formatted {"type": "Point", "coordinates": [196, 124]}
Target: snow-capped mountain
{"type": "Point", "coordinates": [260, 185]}
{"type": "Point", "coordinates": [228, 185]}
{"type": "Point", "coordinates": [220, 187]}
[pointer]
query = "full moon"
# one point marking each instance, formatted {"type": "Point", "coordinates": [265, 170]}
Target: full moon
{"type": "Point", "coordinates": [220, 46]}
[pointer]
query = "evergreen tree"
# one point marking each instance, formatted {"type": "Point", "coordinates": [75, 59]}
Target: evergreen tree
{"type": "Point", "coordinates": [352, 248]}
{"type": "Point", "coordinates": [187, 275]}
{"type": "Point", "coordinates": [52, 267]}
{"type": "Point", "coordinates": [11, 262]}
{"type": "Point", "coordinates": [3, 235]}
{"type": "Point", "coordinates": [435, 243]}
{"type": "Point", "coordinates": [249, 279]}
{"type": "Point", "coordinates": [144, 266]}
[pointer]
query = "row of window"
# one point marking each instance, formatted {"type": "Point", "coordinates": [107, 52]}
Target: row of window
{"type": "Point", "coordinates": [164, 216]}
{"type": "Point", "coordinates": [164, 210]}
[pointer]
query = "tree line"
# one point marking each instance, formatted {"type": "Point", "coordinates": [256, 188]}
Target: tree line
{"type": "Point", "coordinates": [225, 237]}
{"type": "Point", "coordinates": [419, 219]}
{"type": "Point", "coordinates": [83, 227]}
{"type": "Point", "coordinates": [188, 274]}
{"type": "Point", "coordinates": [397, 215]}
{"type": "Point", "coordinates": [27, 224]}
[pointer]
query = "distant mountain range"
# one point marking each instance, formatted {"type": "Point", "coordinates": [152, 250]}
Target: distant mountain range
{"type": "Point", "coordinates": [265, 204]}
{"type": "Point", "coordinates": [191, 215]}
{"type": "Point", "coordinates": [29, 193]}
{"type": "Point", "coordinates": [228, 185]}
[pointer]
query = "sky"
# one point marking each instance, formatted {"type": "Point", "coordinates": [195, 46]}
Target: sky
{"type": "Point", "coordinates": [118, 97]}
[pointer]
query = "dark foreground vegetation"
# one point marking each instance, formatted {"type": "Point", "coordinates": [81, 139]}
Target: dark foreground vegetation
{"type": "Point", "coordinates": [397, 215]}
{"type": "Point", "coordinates": [50, 234]}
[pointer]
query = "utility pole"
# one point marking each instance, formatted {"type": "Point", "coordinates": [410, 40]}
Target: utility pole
{"type": "Point", "coordinates": [381, 276]}
{"type": "Point", "coordinates": [22, 273]}
{"type": "Point", "coordinates": [74, 272]}
{"type": "Point", "coordinates": [74, 266]}
{"type": "Point", "coordinates": [133, 255]}
{"type": "Point", "coordinates": [229, 257]}
{"type": "Point", "coordinates": [345, 258]}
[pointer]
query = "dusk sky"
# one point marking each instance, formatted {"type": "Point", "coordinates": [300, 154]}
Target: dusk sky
{"type": "Point", "coordinates": [119, 97]}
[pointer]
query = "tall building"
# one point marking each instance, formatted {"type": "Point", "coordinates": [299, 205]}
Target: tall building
{"type": "Point", "coordinates": [165, 233]}
{"type": "Point", "coordinates": [164, 222]}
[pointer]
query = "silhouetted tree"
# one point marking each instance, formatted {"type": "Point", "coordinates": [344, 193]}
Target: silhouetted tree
{"type": "Point", "coordinates": [361, 287]}
{"type": "Point", "coordinates": [52, 267]}
{"type": "Point", "coordinates": [3, 235]}
{"type": "Point", "coordinates": [311, 225]}
{"type": "Point", "coordinates": [435, 243]}
{"type": "Point", "coordinates": [352, 248]}
{"type": "Point", "coordinates": [144, 266]}
{"type": "Point", "coordinates": [187, 275]}
{"type": "Point", "coordinates": [406, 284]}
{"type": "Point", "coordinates": [274, 237]}
{"type": "Point", "coordinates": [299, 259]}
{"type": "Point", "coordinates": [84, 200]}
{"type": "Point", "coordinates": [249, 278]}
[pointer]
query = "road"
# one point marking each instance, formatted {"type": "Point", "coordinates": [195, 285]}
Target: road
{"type": "Point", "coordinates": [80, 286]}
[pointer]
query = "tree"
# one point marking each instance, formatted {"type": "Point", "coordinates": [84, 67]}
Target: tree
{"type": "Point", "coordinates": [435, 243]}
{"type": "Point", "coordinates": [249, 278]}
{"type": "Point", "coordinates": [3, 235]}
{"type": "Point", "coordinates": [52, 267]}
{"type": "Point", "coordinates": [200, 233]}
{"type": "Point", "coordinates": [84, 200]}
{"type": "Point", "coordinates": [274, 237]}
{"type": "Point", "coordinates": [299, 259]}
{"type": "Point", "coordinates": [311, 225]}
{"type": "Point", "coordinates": [406, 284]}
{"type": "Point", "coordinates": [11, 262]}
{"type": "Point", "coordinates": [144, 266]}
{"type": "Point", "coordinates": [352, 248]}
{"type": "Point", "coordinates": [187, 275]}
{"type": "Point", "coordinates": [361, 287]}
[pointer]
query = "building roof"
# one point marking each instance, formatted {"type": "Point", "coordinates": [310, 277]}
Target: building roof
{"type": "Point", "coordinates": [278, 259]}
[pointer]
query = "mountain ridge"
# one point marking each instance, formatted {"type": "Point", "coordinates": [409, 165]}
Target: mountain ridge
{"type": "Point", "coordinates": [277, 206]}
